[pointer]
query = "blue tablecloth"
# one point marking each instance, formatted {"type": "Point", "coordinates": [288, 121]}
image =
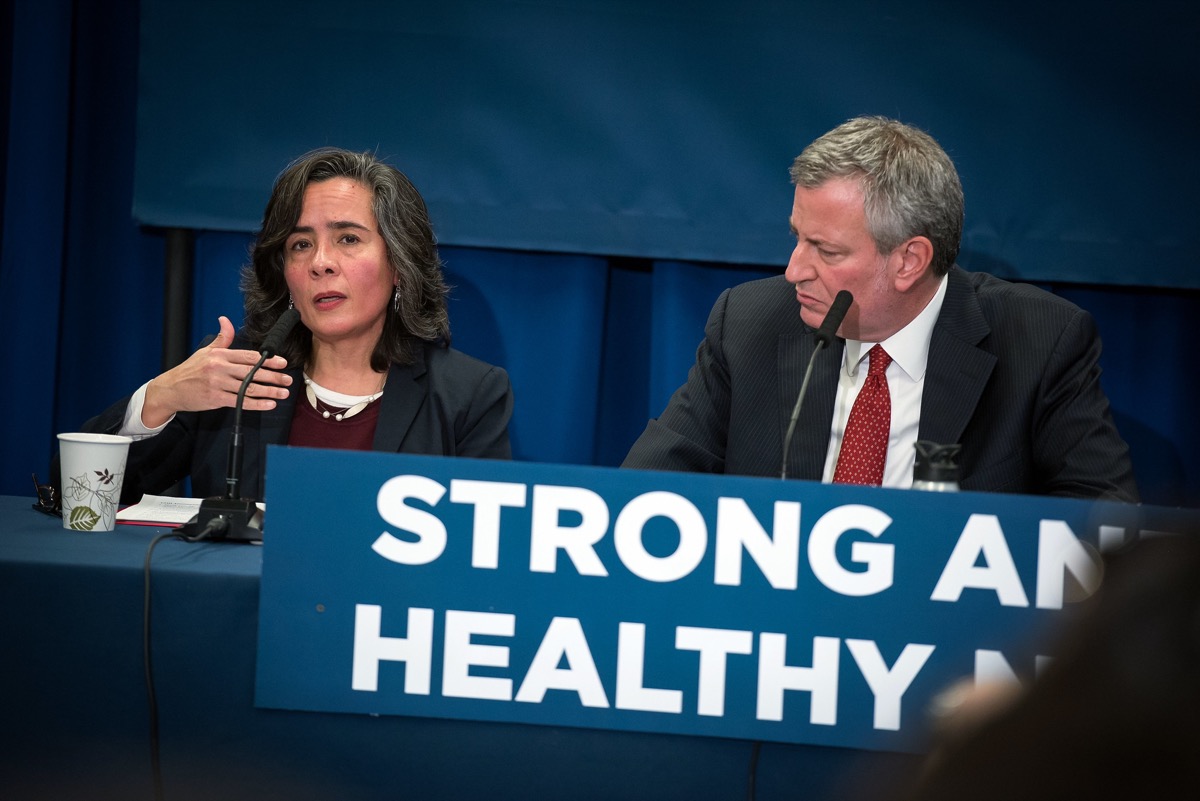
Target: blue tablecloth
{"type": "Point", "coordinates": [76, 723]}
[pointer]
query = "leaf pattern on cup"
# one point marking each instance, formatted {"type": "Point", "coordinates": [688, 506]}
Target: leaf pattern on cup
{"type": "Point", "coordinates": [82, 518]}
{"type": "Point", "coordinates": [89, 499]}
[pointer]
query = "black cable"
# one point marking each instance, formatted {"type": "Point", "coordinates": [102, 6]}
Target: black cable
{"type": "Point", "coordinates": [215, 526]}
{"type": "Point", "coordinates": [752, 778]}
{"type": "Point", "coordinates": [147, 661]}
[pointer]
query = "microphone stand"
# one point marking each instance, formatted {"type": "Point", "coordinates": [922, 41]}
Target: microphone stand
{"type": "Point", "coordinates": [791, 429]}
{"type": "Point", "coordinates": [231, 518]}
{"type": "Point", "coordinates": [234, 518]}
{"type": "Point", "coordinates": [824, 337]}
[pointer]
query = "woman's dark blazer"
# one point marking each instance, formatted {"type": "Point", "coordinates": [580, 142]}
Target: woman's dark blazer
{"type": "Point", "coordinates": [443, 404]}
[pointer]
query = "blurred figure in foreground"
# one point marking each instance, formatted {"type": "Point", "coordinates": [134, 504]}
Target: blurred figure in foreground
{"type": "Point", "coordinates": [1115, 716]}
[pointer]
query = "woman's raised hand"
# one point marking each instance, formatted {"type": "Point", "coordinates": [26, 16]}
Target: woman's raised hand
{"type": "Point", "coordinates": [211, 378]}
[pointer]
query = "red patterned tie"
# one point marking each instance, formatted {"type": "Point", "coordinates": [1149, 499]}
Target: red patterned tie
{"type": "Point", "coordinates": [864, 447]}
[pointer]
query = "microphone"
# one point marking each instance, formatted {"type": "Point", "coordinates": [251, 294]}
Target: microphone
{"type": "Point", "coordinates": [233, 517]}
{"type": "Point", "coordinates": [824, 337]}
{"type": "Point", "coordinates": [274, 338]}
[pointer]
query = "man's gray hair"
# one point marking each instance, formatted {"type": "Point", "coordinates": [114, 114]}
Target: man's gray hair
{"type": "Point", "coordinates": [910, 187]}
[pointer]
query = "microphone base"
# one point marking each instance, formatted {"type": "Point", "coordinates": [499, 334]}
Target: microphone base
{"type": "Point", "coordinates": [226, 520]}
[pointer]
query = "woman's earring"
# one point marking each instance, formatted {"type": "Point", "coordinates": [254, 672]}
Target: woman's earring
{"type": "Point", "coordinates": [291, 305]}
{"type": "Point", "coordinates": [396, 300]}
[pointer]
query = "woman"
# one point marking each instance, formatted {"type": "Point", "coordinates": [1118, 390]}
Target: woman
{"type": "Point", "coordinates": [346, 241]}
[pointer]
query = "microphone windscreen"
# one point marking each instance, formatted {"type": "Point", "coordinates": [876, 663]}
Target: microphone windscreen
{"type": "Point", "coordinates": [283, 326]}
{"type": "Point", "coordinates": [833, 318]}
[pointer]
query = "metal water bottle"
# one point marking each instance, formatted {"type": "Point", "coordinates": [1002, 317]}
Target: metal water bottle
{"type": "Point", "coordinates": [936, 469]}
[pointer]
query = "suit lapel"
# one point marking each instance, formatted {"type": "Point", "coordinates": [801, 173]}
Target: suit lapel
{"type": "Point", "coordinates": [958, 370]}
{"type": "Point", "coordinates": [276, 424]}
{"type": "Point", "coordinates": [811, 438]}
{"type": "Point", "coordinates": [402, 399]}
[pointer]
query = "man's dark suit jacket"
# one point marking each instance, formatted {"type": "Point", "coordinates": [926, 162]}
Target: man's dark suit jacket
{"type": "Point", "coordinates": [444, 404]}
{"type": "Point", "coordinates": [1012, 376]}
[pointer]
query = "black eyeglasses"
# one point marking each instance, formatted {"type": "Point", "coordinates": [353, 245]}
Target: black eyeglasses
{"type": "Point", "coordinates": [48, 501]}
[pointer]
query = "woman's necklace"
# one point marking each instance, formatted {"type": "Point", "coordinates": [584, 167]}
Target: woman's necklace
{"type": "Point", "coordinates": [336, 405]}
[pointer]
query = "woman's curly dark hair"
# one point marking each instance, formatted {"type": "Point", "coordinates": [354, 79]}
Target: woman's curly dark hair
{"type": "Point", "coordinates": [411, 250]}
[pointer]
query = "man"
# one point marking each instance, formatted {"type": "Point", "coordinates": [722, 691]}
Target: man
{"type": "Point", "coordinates": [1007, 371]}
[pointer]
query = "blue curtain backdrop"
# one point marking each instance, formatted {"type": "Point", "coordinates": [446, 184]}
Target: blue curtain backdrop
{"type": "Point", "coordinates": [649, 128]}
{"type": "Point", "coordinates": [597, 339]}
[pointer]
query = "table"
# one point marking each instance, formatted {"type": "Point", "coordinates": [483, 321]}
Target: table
{"type": "Point", "coordinates": [76, 715]}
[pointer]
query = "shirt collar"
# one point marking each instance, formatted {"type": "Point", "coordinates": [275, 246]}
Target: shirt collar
{"type": "Point", "coordinates": [908, 347]}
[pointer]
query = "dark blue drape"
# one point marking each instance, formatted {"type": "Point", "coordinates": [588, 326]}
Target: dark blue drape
{"type": "Point", "coordinates": [650, 129]}
{"type": "Point", "coordinates": [595, 343]}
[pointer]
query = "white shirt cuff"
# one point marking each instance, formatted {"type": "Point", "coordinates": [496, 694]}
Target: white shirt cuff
{"type": "Point", "coordinates": [133, 426]}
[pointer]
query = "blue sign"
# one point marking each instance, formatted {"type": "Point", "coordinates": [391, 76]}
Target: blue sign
{"type": "Point", "coordinates": [664, 602]}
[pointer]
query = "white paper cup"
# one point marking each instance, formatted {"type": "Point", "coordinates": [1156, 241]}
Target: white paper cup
{"type": "Point", "coordinates": [93, 469]}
